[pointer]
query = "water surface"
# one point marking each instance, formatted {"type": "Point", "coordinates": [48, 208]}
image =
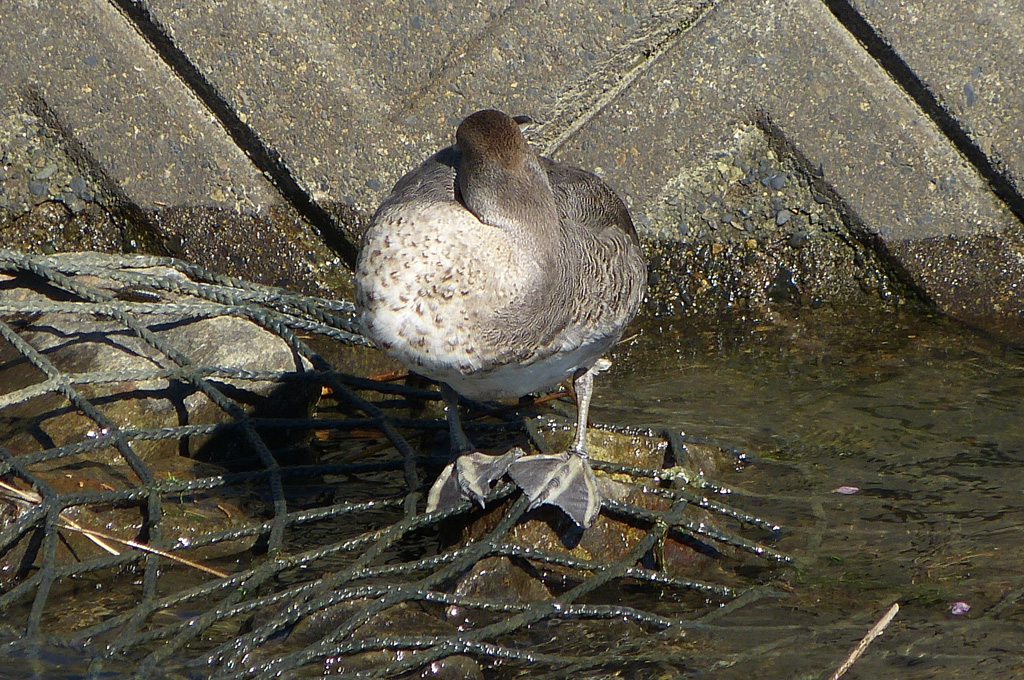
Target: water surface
{"type": "Point", "coordinates": [923, 418]}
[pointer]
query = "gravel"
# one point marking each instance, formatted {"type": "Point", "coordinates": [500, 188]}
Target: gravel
{"type": "Point", "coordinates": [34, 169]}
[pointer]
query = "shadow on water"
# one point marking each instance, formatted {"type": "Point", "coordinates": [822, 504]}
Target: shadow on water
{"type": "Point", "coordinates": [922, 420]}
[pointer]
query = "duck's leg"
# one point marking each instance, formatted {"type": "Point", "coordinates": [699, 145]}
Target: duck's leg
{"type": "Point", "coordinates": [471, 473]}
{"type": "Point", "coordinates": [566, 480]}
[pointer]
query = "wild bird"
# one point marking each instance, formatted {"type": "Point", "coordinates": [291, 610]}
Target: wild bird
{"type": "Point", "coordinates": [499, 273]}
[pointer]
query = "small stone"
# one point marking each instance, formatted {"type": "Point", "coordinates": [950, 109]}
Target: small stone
{"type": "Point", "coordinates": [783, 288]}
{"type": "Point", "coordinates": [798, 240]}
{"type": "Point", "coordinates": [782, 217]}
{"type": "Point", "coordinates": [73, 203]}
{"type": "Point", "coordinates": [374, 184]}
{"type": "Point", "coordinates": [778, 181]}
{"type": "Point", "coordinates": [969, 94]}
{"type": "Point", "coordinates": [47, 172]}
{"type": "Point", "coordinates": [91, 60]}
{"type": "Point", "coordinates": [78, 185]}
{"type": "Point", "coordinates": [39, 188]}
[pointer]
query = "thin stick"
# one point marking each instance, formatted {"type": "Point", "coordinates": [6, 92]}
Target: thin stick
{"type": "Point", "coordinates": [875, 631]}
{"type": "Point", "coordinates": [100, 538]}
{"type": "Point", "coordinates": [96, 535]}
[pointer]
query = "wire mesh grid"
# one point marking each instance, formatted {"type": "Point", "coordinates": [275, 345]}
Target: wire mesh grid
{"type": "Point", "coordinates": [269, 561]}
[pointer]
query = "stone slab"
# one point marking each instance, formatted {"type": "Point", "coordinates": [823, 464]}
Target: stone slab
{"type": "Point", "coordinates": [101, 82]}
{"type": "Point", "coordinates": [351, 95]}
{"type": "Point", "coordinates": [354, 94]}
{"type": "Point", "coordinates": [792, 63]}
{"type": "Point", "coordinates": [971, 56]}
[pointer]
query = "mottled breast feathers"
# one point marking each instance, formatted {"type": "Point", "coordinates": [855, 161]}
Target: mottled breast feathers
{"type": "Point", "coordinates": [498, 271]}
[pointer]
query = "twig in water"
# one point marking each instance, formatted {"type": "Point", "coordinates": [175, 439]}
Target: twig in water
{"type": "Point", "coordinates": [100, 538]}
{"type": "Point", "coordinates": [875, 631]}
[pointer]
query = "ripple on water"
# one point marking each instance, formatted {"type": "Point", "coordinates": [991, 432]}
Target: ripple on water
{"type": "Point", "coordinates": [924, 418]}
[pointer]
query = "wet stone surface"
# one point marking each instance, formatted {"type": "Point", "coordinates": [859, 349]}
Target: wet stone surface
{"type": "Point", "coordinates": [755, 228]}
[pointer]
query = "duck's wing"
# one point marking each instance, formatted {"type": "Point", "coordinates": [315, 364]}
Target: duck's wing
{"type": "Point", "coordinates": [432, 182]}
{"type": "Point", "coordinates": [583, 198]}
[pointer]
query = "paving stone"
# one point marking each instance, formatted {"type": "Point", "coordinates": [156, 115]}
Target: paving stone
{"type": "Point", "coordinates": [971, 56]}
{"type": "Point", "coordinates": [347, 92]}
{"type": "Point", "coordinates": [793, 64]}
{"type": "Point", "coordinates": [103, 84]}
{"type": "Point", "coordinates": [351, 95]}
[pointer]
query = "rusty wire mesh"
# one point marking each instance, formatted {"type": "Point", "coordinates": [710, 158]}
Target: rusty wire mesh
{"type": "Point", "coordinates": [275, 562]}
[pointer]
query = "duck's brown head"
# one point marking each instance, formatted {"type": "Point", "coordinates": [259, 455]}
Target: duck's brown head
{"type": "Point", "coordinates": [500, 178]}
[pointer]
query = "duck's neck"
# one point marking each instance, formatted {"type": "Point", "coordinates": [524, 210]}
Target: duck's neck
{"type": "Point", "coordinates": [517, 200]}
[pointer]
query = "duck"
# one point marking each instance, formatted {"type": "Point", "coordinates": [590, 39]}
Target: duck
{"type": "Point", "coordinates": [500, 273]}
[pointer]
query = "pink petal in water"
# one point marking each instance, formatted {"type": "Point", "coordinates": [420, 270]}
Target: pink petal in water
{"type": "Point", "coordinates": [846, 490]}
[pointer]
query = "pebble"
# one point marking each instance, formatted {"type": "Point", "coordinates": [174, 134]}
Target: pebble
{"type": "Point", "coordinates": [374, 184]}
{"type": "Point", "coordinates": [798, 240]}
{"type": "Point", "coordinates": [39, 188]}
{"type": "Point", "coordinates": [969, 94]}
{"type": "Point", "coordinates": [782, 217]}
{"type": "Point", "coordinates": [47, 172]}
{"type": "Point", "coordinates": [79, 186]}
{"type": "Point", "coordinates": [73, 202]}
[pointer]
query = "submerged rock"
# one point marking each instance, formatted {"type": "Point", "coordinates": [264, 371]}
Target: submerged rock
{"type": "Point", "coordinates": [87, 405]}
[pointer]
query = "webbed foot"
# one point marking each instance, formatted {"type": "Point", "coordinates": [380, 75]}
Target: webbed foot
{"type": "Point", "coordinates": [470, 476]}
{"type": "Point", "coordinates": [564, 480]}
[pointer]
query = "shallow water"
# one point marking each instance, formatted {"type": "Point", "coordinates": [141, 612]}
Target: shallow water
{"type": "Point", "coordinates": [925, 419]}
